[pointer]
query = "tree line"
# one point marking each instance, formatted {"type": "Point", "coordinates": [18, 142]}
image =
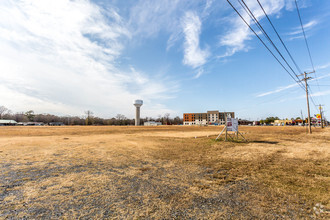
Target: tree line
{"type": "Point", "coordinates": [87, 119]}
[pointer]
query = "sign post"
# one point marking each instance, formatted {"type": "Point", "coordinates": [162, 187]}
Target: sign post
{"type": "Point", "coordinates": [231, 125]}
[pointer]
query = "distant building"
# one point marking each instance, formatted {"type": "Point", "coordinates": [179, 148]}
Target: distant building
{"type": "Point", "coordinates": [35, 124]}
{"type": "Point", "coordinates": [152, 123]}
{"type": "Point", "coordinates": [209, 118]}
{"type": "Point", "coordinates": [31, 123]}
{"type": "Point", "coordinates": [56, 123]}
{"type": "Point", "coordinates": [7, 122]}
{"type": "Point", "coordinates": [283, 122]}
{"type": "Point", "coordinates": [246, 122]}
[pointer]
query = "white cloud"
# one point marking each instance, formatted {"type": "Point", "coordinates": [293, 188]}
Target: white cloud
{"type": "Point", "coordinates": [148, 17]}
{"type": "Point", "coordinates": [194, 56]}
{"type": "Point", "coordinates": [199, 73]}
{"type": "Point", "coordinates": [236, 38]}
{"type": "Point", "coordinates": [284, 88]}
{"type": "Point", "coordinates": [179, 19]}
{"type": "Point", "coordinates": [280, 89]}
{"type": "Point", "coordinates": [327, 92]}
{"type": "Point", "coordinates": [297, 31]}
{"type": "Point", "coordinates": [320, 67]}
{"type": "Point", "coordinates": [60, 57]}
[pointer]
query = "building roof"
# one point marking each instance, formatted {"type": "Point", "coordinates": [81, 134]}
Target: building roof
{"type": "Point", "coordinates": [213, 112]}
{"type": "Point", "coordinates": [7, 122]}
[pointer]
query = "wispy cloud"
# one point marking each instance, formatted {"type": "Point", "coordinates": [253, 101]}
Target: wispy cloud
{"type": "Point", "coordinates": [321, 93]}
{"type": "Point", "coordinates": [297, 31]}
{"type": "Point", "coordinates": [280, 89]}
{"type": "Point", "coordinates": [182, 20]}
{"type": "Point", "coordinates": [284, 88]}
{"type": "Point", "coordinates": [60, 57]}
{"type": "Point", "coordinates": [320, 67]}
{"type": "Point", "coordinates": [236, 38]}
{"type": "Point", "coordinates": [308, 26]}
{"type": "Point", "coordinates": [148, 18]}
{"type": "Point", "coordinates": [199, 73]}
{"type": "Point", "coordinates": [194, 56]}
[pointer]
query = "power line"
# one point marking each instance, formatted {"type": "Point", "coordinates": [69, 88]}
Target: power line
{"type": "Point", "coordinates": [312, 96]}
{"type": "Point", "coordinates": [303, 30]}
{"type": "Point", "coordinates": [263, 42]}
{"type": "Point", "coordinates": [249, 12]}
{"type": "Point", "coordinates": [309, 52]}
{"type": "Point", "coordinates": [299, 70]}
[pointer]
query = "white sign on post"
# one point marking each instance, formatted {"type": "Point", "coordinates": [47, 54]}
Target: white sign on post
{"type": "Point", "coordinates": [232, 124]}
{"type": "Point", "coordinates": [235, 124]}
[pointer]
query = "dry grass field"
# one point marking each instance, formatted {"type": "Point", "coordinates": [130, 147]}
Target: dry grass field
{"type": "Point", "coordinates": [163, 172]}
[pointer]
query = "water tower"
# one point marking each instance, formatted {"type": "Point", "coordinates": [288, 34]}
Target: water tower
{"type": "Point", "coordinates": [137, 103]}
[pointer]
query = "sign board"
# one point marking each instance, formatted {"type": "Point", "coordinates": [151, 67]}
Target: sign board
{"type": "Point", "coordinates": [318, 116]}
{"type": "Point", "coordinates": [232, 124]}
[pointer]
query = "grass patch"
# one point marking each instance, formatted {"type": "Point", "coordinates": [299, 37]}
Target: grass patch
{"type": "Point", "coordinates": [163, 172]}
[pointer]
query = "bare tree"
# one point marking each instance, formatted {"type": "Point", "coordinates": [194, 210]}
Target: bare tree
{"type": "Point", "coordinates": [177, 120]}
{"type": "Point", "coordinates": [20, 117]}
{"type": "Point", "coordinates": [8, 115]}
{"type": "Point", "coordinates": [3, 110]}
{"type": "Point", "coordinates": [167, 116]}
{"type": "Point", "coordinates": [120, 117]}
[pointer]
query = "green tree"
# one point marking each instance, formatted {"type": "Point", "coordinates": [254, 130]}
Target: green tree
{"type": "Point", "coordinates": [89, 117]}
{"type": "Point", "coordinates": [30, 115]}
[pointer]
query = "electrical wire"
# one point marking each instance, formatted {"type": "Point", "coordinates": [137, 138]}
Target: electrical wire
{"type": "Point", "coordinates": [312, 97]}
{"type": "Point", "coordinates": [303, 30]}
{"type": "Point", "coordinates": [249, 12]}
{"type": "Point", "coordinates": [264, 43]}
{"type": "Point", "coordinates": [271, 23]}
{"type": "Point", "coordinates": [309, 52]}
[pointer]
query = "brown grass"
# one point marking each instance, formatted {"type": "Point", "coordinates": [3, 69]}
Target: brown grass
{"type": "Point", "coordinates": [163, 172]}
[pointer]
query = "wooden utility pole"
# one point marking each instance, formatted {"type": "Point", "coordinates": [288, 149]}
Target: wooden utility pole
{"type": "Point", "coordinates": [226, 126]}
{"type": "Point", "coordinates": [306, 88]}
{"type": "Point", "coordinates": [320, 108]}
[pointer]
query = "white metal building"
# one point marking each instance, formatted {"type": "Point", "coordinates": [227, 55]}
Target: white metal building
{"type": "Point", "coordinates": [7, 122]}
{"type": "Point", "coordinates": [152, 123]}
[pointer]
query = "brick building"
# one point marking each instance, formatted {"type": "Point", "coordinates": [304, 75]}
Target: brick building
{"type": "Point", "coordinates": [209, 118]}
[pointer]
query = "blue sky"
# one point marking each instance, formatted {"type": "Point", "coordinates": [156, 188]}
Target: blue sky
{"type": "Point", "coordinates": [65, 57]}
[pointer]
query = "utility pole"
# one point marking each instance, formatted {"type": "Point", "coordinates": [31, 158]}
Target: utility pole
{"type": "Point", "coordinates": [306, 88]}
{"type": "Point", "coordinates": [226, 125]}
{"type": "Point", "coordinates": [303, 120]}
{"type": "Point", "coordinates": [320, 108]}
